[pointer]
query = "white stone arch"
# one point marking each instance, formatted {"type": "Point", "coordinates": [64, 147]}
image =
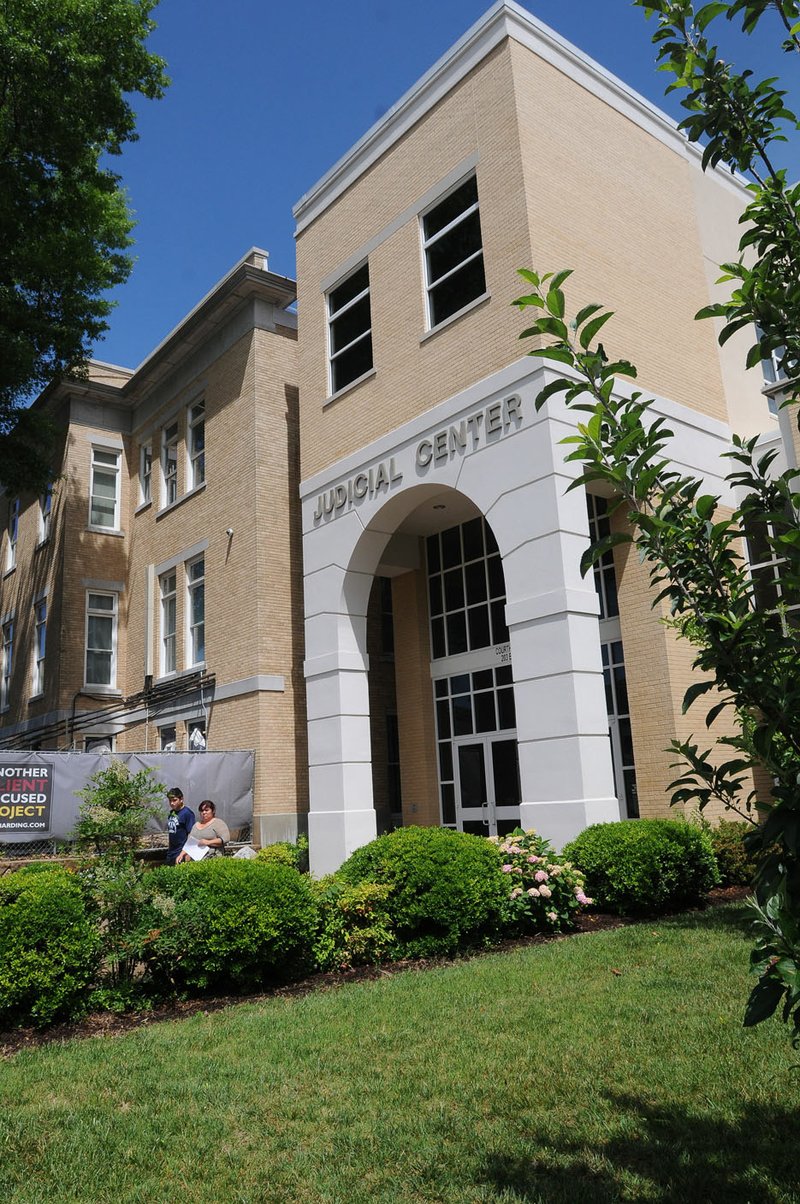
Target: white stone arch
{"type": "Point", "coordinates": [510, 468]}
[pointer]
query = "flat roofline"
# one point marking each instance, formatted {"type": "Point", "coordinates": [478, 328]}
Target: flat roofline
{"type": "Point", "coordinates": [505, 19]}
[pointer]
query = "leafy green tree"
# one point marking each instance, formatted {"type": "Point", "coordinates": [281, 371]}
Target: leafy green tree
{"type": "Point", "coordinates": [66, 67]}
{"type": "Point", "coordinates": [747, 643]}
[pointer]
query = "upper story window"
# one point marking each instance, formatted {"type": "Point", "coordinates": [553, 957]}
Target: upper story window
{"type": "Point", "coordinates": [777, 372]}
{"type": "Point", "coordinates": [196, 443]}
{"type": "Point", "coordinates": [101, 639]}
{"type": "Point", "coordinates": [45, 512]}
{"type": "Point", "coordinates": [466, 589]}
{"type": "Point", "coordinates": [169, 463]}
{"type": "Point", "coordinates": [350, 329]}
{"type": "Point", "coordinates": [13, 533]}
{"type": "Point", "coordinates": [145, 473]}
{"type": "Point", "coordinates": [196, 584]}
{"type": "Point", "coordinates": [39, 643]}
{"type": "Point", "coordinates": [8, 658]}
{"type": "Point", "coordinates": [454, 272]}
{"type": "Point", "coordinates": [104, 497]}
{"type": "Point", "coordinates": [768, 567]}
{"type": "Point", "coordinates": [169, 622]}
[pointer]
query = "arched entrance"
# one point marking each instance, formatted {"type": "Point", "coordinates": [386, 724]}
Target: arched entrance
{"type": "Point", "coordinates": [500, 699]}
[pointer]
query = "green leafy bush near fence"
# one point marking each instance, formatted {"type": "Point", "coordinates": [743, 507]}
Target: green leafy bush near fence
{"type": "Point", "coordinates": [645, 866]}
{"type": "Point", "coordinates": [49, 947]}
{"type": "Point", "coordinates": [736, 866]}
{"type": "Point", "coordinates": [448, 891]}
{"type": "Point", "coordinates": [228, 924]}
{"type": "Point", "coordinates": [284, 852]}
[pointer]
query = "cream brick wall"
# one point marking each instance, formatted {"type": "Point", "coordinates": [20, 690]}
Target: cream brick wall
{"type": "Point", "coordinates": [564, 180]}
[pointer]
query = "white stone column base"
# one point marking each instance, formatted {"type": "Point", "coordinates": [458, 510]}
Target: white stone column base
{"type": "Point", "coordinates": [561, 820]}
{"type": "Point", "coordinates": [334, 835]}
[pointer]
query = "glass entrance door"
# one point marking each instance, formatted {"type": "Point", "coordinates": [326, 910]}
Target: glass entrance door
{"type": "Point", "coordinates": [487, 785]}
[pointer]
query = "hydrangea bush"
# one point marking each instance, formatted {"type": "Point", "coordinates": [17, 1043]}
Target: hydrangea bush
{"type": "Point", "coordinates": [545, 891]}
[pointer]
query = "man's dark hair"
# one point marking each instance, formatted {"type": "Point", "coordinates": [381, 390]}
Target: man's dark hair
{"type": "Point", "coordinates": [174, 792]}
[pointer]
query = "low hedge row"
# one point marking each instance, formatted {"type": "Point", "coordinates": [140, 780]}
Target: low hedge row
{"type": "Point", "coordinates": [243, 925]}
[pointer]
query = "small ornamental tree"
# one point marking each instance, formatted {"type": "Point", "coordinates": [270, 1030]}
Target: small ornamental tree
{"type": "Point", "coordinates": [747, 644]}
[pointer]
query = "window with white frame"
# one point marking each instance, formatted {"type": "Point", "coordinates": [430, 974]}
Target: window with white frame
{"type": "Point", "coordinates": [453, 251]}
{"type": "Point", "coordinates": [39, 643]}
{"type": "Point", "coordinates": [196, 735]}
{"type": "Point", "coordinates": [168, 738]}
{"type": "Point", "coordinates": [101, 639]}
{"type": "Point", "coordinates": [350, 329]}
{"type": "Point", "coordinates": [145, 473]}
{"type": "Point", "coordinates": [196, 628]}
{"type": "Point", "coordinates": [768, 568]}
{"type": "Point", "coordinates": [169, 622]}
{"type": "Point", "coordinates": [104, 495]}
{"type": "Point", "coordinates": [13, 533]}
{"type": "Point", "coordinates": [45, 512]}
{"type": "Point", "coordinates": [8, 659]}
{"type": "Point", "coordinates": [98, 744]}
{"type": "Point", "coordinates": [196, 443]}
{"type": "Point", "coordinates": [169, 463]}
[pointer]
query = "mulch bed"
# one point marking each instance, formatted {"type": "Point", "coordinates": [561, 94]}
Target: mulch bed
{"type": "Point", "coordinates": [108, 1024]}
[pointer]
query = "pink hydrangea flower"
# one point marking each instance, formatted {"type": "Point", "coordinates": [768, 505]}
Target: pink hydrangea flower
{"type": "Point", "coordinates": [534, 860]}
{"type": "Point", "coordinates": [533, 892]}
{"type": "Point", "coordinates": [545, 892]}
{"type": "Point", "coordinates": [540, 876]}
{"type": "Point", "coordinates": [516, 892]}
{"type": "Point", "coordinates": [552, 916]}
{"type": "Point", "coordinates": [581, 897]}
{"type": "Point", "coordinates": [507, 869]}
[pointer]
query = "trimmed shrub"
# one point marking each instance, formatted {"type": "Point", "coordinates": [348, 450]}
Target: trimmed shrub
{"type": "Point", "coordinates": [283, 852]}
{"type": "Point", "coordinates": [355, 925]}
{"type": "Point", "coordinates": [736, 866]}
{"type": "Point", "coordinates": [545, 891]}
{"type": "Point", "coordinates": [49, 949]}
{"type": "Point", "coordinates": [447, 890]}
{"type": "Point", "coordinates": [228, 924]}
{"type": "Point", "coordinates": [645, 866]}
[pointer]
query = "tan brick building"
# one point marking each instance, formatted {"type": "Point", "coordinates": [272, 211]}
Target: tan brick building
{"type": "Point", "coordinates": [454, 666]}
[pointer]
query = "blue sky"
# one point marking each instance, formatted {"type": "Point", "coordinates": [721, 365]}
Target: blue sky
{"type": "Point", "coordinates": [267, 96]}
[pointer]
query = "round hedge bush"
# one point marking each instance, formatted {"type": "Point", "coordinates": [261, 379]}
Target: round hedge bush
{"type": "Point", "coordinates": [49, 948]}
{"type": "Point", "coordinates": [447, 888]}
{"type": "Point", "coordinates": [645, 866]}
{"type": "Point", "coordinates": [227, 923]}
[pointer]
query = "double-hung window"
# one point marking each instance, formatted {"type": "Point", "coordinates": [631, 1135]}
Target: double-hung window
{"type": "Point", "coordinates": [101, 639]}
{"type": "Point", "coordinates": [8, 658]}
{"type": "Point", "coordinates": [196, 584]}
{"type": "Point", "coordinates": [769, 569]}
{"type": "Point", "coordinates": [145, 473]}
{"type": "Point", "coordinates": [453, 250]}
{"type": "Point", "coordinates": [350, 329]}
{"type": "Point", "coordinates": [104, 493]}
{"type": "Point", "coordinates": [169, 622]}
{"type": "Point", "coordinates": [197, 443]}
{"type": "Point", "coordinates": [45, 512]}
{"type": "Point", "coordinates": [13, 532]}
{"type": "Point", "coordinates": [169, 463]}
{"type": "Point", "coordinates": [39, 643]}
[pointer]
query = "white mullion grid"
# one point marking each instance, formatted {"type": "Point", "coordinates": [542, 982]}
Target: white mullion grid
{"type": "Point", "coordinates": [446, 275]}
{"type": "Point", "coordinates": [473, 208]}
{"type": "Point", "coordinates": [39, 644]}
{"type": "Point", "coordinates": [334, 317]}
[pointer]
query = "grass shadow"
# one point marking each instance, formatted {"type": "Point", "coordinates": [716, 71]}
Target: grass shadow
{"type": "Point", "coordinates": [666, 1154]}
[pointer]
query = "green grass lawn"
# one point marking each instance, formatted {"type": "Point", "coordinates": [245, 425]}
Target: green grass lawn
{"type": "Point", "coordinates": [607, 1067]}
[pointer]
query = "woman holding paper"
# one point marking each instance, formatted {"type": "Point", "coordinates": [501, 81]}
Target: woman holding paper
{"type": "Point", "coordinates": [208, 836]}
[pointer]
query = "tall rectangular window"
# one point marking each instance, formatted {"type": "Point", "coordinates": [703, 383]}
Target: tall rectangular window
{"type": "Point", "coordinates": [145, 473]}
{"type": "Point", "coordinates": [196, 583]}
{"type": "Point", "coordinates": [453, 250]}
{"type": "Point", "coordinates": [101, 639]}
{"type": "Point", "coordinates": [169, 622]}
{"type": "Point", "coordinates": [197, 444]}
{"type": "Point", "coordinates": [8, 658]}
{"type": "Point", "coordinates": [45, 511]}
{"type": "Point", "coordinates": [104, 493]}
{"type": "Point", "coordinates": [350, 329]}
{"type": "Point", "coordinates": [169, 463]}
{"type": "Point", "coordinates": [13, 533]}
{"type": "Point", "coordinates": [39, 643]}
